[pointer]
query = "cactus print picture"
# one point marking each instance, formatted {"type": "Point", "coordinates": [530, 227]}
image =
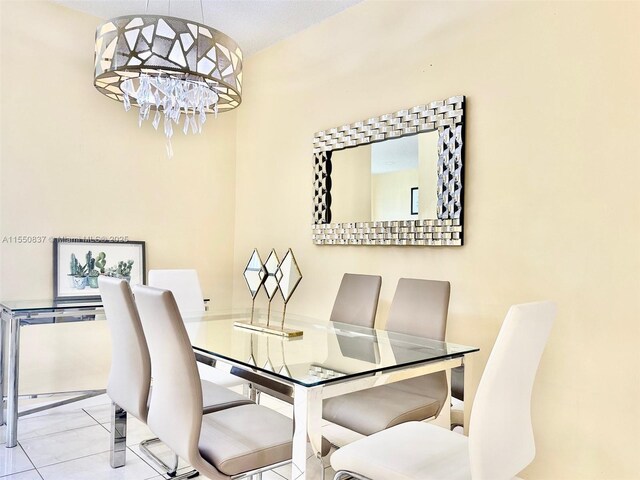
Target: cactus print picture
{"type": "Point", "coordinates": [77, 265]}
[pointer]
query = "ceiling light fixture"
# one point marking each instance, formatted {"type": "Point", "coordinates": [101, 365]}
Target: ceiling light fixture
{"type": "Point", "coordinates": [175, 67]}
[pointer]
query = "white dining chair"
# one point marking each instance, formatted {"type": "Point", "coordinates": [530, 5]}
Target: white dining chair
{"type": "Point", "coordinates": [232, 443]}
{"type": "Point", "coordinates": [184, 284]}
{"type": "Point", "coordinates": [129, 385]}
{"type": "Point", "coordinates": [500, 442]}
{"type": "Point", "coordinates": [186, 289]}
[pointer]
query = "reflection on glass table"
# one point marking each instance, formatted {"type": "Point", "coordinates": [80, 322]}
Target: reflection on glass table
{"type": "Point", "coordinates": [328, 360]}
{"type": "Point", "coordinates": [344, 348]}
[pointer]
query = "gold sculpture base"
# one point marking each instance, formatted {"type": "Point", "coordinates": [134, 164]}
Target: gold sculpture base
{"type": "Point", "coordinates": [280, 331]}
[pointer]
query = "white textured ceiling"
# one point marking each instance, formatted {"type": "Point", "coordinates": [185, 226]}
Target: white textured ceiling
{"type": "Point", "coordinates": [253, 24]}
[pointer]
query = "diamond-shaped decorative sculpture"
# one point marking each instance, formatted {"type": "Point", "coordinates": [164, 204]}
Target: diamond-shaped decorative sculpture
{"type": "Point", "coordinates": [272, 275]}
{"type": "Point", "coordinates": [288, 276]}
{"type": "Point", "coordinates": [270, 282]}
{"type": "Point", "coordinates": [254, 273]}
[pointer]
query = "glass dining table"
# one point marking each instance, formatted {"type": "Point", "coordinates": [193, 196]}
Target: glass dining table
{"type": "Point", "coordinates": [327, 360]}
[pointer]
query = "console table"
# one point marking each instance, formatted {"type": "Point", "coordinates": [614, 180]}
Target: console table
{"type": "Point", "coordinates": [15, 315]}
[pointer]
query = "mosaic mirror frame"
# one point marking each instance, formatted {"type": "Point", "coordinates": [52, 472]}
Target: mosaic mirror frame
{"type": "Point", "coordinates": [447, 117]}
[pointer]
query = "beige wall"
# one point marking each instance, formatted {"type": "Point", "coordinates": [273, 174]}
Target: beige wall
{"type": "Point", "coordinates": [552, 197]}
{"type": "Point", "coordinates": [391, 195]}
{"type": "Point", "coordinates": [74, 163]}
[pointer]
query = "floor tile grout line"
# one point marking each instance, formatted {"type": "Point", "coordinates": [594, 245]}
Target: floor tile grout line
{"type": "Point", "coordinates": [28, 458]}
{"type": "Point", "coordinates": [94, 418]}
{"type": "Point", "coordinates": [54, 433]}
{"type": "Point", "coordinates": [91, 455]}
{"type": "Point", "coordinates": [2, 477]}
{"type": "Point", "coordinates": [61, 431]}
{"type": "Point", "coordinates": [17, 473]}
{"type": "Point", "coordinates": [70, 460]}
{"type": "Point", "coordinates": [85, 456]}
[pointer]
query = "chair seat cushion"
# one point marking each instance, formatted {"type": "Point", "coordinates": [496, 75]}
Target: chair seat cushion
{"type": "Point", "coordinates": [219, 376]}
{"type": "Point", "coordinates": [245, 438]}
{"type": "Point", "coordinates": [216, 397]}
{"type": "Point", "coordinates": [372, 410]}
{"type": "Point", "coordinates": [413, 450]}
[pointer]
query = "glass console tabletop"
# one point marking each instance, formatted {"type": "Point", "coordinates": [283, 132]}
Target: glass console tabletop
{"type": "Point", "coordinates": [46, 305]}
{"type": "Point", "coordinates": [327, 352]}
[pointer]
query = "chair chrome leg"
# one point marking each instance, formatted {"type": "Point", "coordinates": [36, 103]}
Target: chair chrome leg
{"type": "Point", "coordinates": [170, 470]}
{"type": "Point", "coordinates": [344, 475]}
{"type": "Point", "coordinates": [185, 476]}
{"type": "Point", "coordinates": [118, 453]}
{"type": "Point", "coordinates": [174, 467]}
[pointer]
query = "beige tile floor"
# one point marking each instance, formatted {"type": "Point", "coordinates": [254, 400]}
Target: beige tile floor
{"type": "Point", "coordinates": [72, 443]}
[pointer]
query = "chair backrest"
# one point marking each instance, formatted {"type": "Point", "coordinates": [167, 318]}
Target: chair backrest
{"type": "Point", "coordinates": [357, 300]}
{"type": "Point", "coordinates": [130, 375]}
{"type": "Point", "coordinates": [501, 439]}
{"type": "Point", "coordinates": [175, 409]}
{"type": "Point", "coordinates": [185, 286]}
{"type": "Point", "coordinates": [420, 307]}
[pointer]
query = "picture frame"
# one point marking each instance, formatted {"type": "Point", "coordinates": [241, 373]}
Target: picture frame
{"type": "Point", "coordinates": [414, 201]}
{"type": "Point", "coordinates": [78, 262]}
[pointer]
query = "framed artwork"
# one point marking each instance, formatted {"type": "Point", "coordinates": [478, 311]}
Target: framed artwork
{"type": "Point", "coordinates": [414, 200]}
{"type": "Point", "coordinates": [77, 264]}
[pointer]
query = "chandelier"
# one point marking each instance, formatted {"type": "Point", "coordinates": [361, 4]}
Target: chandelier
{"type": "Point", "coordinates": [175, 70]}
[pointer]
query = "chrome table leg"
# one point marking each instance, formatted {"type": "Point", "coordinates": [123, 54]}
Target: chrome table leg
{"type": "Point", "coordinates": [4, 319]}
{"type": "Point", "coordinates": [118, 454]}
{"type": "Point", "coordinates": [307, 422]}
{"type": "Point", "coordinates": [251, 392]}
{"type": "Point", "coordinates": [469, 388]}
{"type": "Point", "coordinates": [13, 365]}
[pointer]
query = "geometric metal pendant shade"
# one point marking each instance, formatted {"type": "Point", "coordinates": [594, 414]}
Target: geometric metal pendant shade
{"type": "Point", "coordinates": [130, 46]}
{"type": "Point", "coordinates": [180, 69]}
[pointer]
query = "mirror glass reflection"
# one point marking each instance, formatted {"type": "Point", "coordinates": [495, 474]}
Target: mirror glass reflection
{"type": "Point", "coordinates": [254, 273]}
{"type": "Point", "coordinates": [391, 180]}
{"type": "Point", "coordinates": [271, 267]}
{"type": "Point", "coordinates": [288, 276]}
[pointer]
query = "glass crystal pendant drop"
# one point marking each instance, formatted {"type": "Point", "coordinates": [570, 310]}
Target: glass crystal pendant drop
{"type": "Point", "coordinates": [175, 71]}
{"type": "Point", "coordinates": [173, 97]}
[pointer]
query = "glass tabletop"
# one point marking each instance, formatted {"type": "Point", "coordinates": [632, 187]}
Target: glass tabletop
{"type": "Point", "coordinates": [327, 352]}
{"type": "Point", "coordinates": [49, 304]}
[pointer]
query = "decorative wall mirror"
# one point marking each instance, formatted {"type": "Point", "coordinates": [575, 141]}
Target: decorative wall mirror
{"type": "Point", "coordinates": [396, 179]}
